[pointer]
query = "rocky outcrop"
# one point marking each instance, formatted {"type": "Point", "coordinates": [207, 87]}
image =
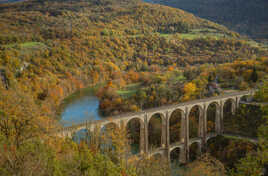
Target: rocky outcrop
{"type": "Point", "coordinates": [4, 78]}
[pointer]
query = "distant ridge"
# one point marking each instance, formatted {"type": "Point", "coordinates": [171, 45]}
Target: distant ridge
{"type": "Point", "coordinates": [246, 17]}
{"type": "Point", "coordinates": [9, 1]}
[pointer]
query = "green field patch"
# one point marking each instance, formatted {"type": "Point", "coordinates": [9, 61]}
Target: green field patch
{"type": "Point", "coordinates": [126, 93]}
{"type": "Point", "coordinates": [192, 36]}
{"type": "Point", "coordinates": [204, 33]}
{"type": "Point", "coordinates": [32, 45]}
{"type": "Point", "coordinates": [133, 86]}
{"type": "Point", "coordinates": [26, 45]}
{"type": "Point", "coordinates": [129, 90]}
{"type": "Point", "coordinates": [166, 35]}
{"type": "Point", "coordinates": [204, 30]}
{"type": "Point", "coordinates": [27, 48]}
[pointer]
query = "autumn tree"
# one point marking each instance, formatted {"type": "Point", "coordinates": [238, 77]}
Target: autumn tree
{"type": "Point", "coordinates": [189, 91]}
{"type": "Point", "coordinates": [155, 165]}
{"type": "Point", "coordinates": [21, 128]}
{"type": "Point", "coordinates": [205, 166]}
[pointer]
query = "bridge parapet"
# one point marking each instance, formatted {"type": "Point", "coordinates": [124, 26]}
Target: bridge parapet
{"type": "Point", "coordinates": [166, 112]}
{"type": "Point", "coordinates": [168, 108]}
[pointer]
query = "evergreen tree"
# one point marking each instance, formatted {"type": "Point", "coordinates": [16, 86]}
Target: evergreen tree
{"type": "Point", "coordinates": [254, 75]}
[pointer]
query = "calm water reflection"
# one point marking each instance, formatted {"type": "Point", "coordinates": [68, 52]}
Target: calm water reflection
{"type": "Point", "coordinates": [80, 110]}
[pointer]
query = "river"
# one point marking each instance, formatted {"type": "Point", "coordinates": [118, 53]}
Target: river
{"type": "Point", "coordinates": [80, 107]}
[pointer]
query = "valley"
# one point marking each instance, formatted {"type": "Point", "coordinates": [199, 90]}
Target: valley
{"type": "Point", "coordinates": [66, 62]}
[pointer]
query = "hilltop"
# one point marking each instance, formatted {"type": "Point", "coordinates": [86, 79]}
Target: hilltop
{"type": "Point", "coordinates": [245, 17]}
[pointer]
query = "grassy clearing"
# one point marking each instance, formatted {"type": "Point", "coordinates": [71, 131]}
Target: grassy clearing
{"type": "Point", "coordinates": [204, 33]}
{"type": "Point", "coordinates": [126, 93]}
{"type": "Point", "coordinates": [204, 30]}
{"type": "Point", "coordinates": [26, 45]}
{"type": "Point", "coordinates": [165, 35]}
{"type": "Point", "coordinates": [133, 86]}
{"type": "Point", "coordinates": [192, 36]}
{"type": "Point", "coordinates": [27, 48]}
{"type": "Point", "coordinates": [199, 33]}
{"type": "Point", "coordinates": [129, 90]}
{"type": "Point", "coordinates": [32, 45]}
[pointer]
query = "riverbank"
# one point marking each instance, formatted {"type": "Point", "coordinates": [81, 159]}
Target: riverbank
{"type": "Point", "coordinates": [88, 91]}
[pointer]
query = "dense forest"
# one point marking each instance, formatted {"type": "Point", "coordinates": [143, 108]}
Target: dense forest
{"type": "Point", "coordinates": [246, 17]}
{"type": "Point", "coordinates": [57, 47]}
{"type": "Point", "coordinates": [143, 55]}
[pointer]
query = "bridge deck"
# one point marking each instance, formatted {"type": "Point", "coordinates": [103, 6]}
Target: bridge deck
{"type": "Point", "coordinates": [151, 110]}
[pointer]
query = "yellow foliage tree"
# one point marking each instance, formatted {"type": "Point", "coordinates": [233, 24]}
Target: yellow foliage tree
{"type": "Point", "coordinates": [189, 90]}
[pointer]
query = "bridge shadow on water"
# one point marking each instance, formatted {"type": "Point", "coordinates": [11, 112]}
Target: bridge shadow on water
{"type": "Point", "coordinates": [100, 138]}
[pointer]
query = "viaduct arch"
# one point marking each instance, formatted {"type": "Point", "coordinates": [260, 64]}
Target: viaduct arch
{"type": "Point", "coordinates": [165, 113]}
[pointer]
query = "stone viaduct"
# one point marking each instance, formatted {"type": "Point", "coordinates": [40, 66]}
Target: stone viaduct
{"type": "Point", "coordinates": [165, 113]}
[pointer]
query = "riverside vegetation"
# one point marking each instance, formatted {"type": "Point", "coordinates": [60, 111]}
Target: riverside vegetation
{"type": "Point", "coordinates": [145, 55]}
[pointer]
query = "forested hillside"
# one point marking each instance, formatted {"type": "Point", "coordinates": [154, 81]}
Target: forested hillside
{"type": "Point", "coordinates": [56, 47]}
{"type": "Point", "coordinates": [246, 17]}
